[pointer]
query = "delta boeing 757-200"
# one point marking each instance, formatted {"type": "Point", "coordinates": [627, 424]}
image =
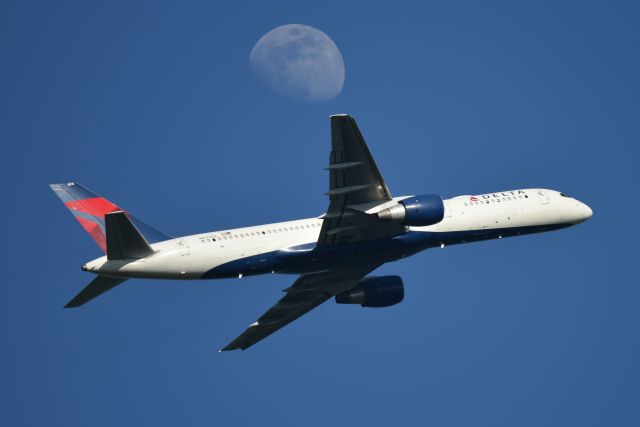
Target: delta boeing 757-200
{"type": "Point", "coordinates": [333, 254]}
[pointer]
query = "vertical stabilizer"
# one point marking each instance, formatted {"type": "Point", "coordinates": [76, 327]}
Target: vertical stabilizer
{"type": "Point", "coordinates": [90, 210]}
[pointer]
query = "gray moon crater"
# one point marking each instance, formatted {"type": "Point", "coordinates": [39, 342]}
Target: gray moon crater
{"type": "Point", "coordinates": [299, 62]}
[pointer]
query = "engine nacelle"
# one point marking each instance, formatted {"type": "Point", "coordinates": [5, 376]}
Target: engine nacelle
{"type": "Point", "coordinates": [381, 291]}
{"type": "Point", "coordinates": [418, 211]}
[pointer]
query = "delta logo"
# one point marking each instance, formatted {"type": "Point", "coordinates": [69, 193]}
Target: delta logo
{"type": "Point", "coordinates": [514, 194]}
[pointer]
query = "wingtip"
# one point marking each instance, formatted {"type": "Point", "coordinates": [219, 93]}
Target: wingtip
{"type": "Point", "coordinates": [72, 304]}
{"type": "Point", "coordinates": [232, 346]}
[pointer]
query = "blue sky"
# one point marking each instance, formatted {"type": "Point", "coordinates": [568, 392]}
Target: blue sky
{"type": "Point", "coordinates": [154, 106]}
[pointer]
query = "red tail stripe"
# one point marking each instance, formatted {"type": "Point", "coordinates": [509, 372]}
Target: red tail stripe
{"type": "Point", "coordinates": [94, 231]}
{"type": "Point", "coordinates": [96, 206]}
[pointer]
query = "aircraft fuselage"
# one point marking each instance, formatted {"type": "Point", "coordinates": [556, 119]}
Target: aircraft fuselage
{"type": "Point", "coordinates": [290, 247]}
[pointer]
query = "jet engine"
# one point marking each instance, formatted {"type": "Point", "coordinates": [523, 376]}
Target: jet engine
{"type": "Point", "coordinates": [376, 291]}
{"type": "Point", "coordinates": [418, 211]}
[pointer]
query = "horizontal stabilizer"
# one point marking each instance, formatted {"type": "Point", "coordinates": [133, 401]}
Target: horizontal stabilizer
{"type": "Point", "coordinates": [124, 240]}
{"type": "Point", "coordinates": [97, 287]}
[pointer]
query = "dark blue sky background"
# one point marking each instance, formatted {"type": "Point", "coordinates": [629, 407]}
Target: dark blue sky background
{"type": "Point", "coordinates": [154, 106]}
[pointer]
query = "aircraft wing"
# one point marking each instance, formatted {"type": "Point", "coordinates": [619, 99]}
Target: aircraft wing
{"type": "Point", "coordinates": [308, 292]}
{"type": "Point", "coordinates": [355, 184]}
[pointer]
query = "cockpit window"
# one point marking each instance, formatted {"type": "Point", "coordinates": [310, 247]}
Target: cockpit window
{"type": "Point", "coordinates": [563, 195]}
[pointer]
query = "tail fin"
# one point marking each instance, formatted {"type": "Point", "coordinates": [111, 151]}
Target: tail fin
{"type": "Point", "coordinates": [90, 210]}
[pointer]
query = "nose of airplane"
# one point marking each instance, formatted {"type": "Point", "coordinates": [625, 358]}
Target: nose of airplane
{"type": "Point", "coordinates": [586, 211]}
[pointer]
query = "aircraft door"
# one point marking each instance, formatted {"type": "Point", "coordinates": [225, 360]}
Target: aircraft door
{"type": "Point", "coordinates": [183, 246]}
{"type": "Point", "coordinates": [543, 196]}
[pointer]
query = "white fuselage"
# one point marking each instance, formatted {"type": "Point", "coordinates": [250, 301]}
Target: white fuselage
{"type": "Point", "coordinates": [250, 250]}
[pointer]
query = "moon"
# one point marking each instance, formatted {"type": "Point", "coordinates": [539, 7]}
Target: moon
{"type": "Point", "coordinates": [299, 62]}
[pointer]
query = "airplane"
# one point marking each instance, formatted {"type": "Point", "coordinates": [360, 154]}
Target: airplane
{"type": "Point", "coordinates": [333, 254]}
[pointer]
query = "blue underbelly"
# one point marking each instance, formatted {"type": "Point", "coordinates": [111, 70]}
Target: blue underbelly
{"type": "Point", "coordinates": [312, 258]}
